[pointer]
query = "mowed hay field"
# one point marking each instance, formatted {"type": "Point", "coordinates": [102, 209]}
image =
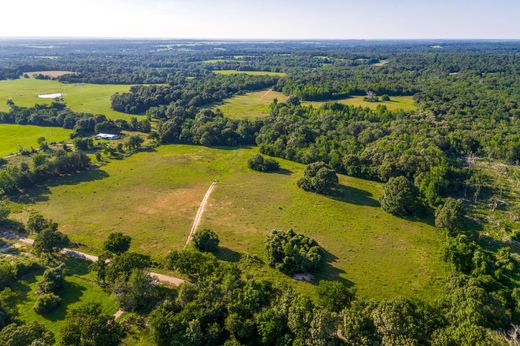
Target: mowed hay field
{"type": "Point", "coordinates": [12, 137]}
{"type": "Point", "coordinates": [154, 197]}
{"type": "Point", "coordinates": [396, 102]}
{"type": "Point", "coordinates": [251, 105]}
{"type": "Point", "coordinates": [252, 73]}
{"type": "Point", "coordinates": [89, 98]}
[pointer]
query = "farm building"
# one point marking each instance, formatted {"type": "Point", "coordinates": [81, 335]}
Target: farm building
{"type": "Point", "coordinates": [107, 136]}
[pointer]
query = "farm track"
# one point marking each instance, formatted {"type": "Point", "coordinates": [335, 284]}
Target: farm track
{"type": "Point", "coordinates": [164, 279]}
{"type": "Point", "coordinates": [200, 212]}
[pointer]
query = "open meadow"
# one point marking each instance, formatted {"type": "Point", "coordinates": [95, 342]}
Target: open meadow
{"type": "Point", "coordinates": [396, 102]}
{"type": "Point", "coordinates": [255, 105]}
{"type": "Point", "coordinates": [26, 136]}
{"type": "Point", "coordinates": [251, 105]}
{"type": "Point", "coordinates": [154, 196]}
{"type": "Point", "coordinates": [89, 98]}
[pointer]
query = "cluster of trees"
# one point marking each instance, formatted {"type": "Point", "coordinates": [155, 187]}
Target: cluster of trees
{"type": "Point", "coordinates": [293, 253]}
{"type": "Point", "coordinates": [192, 93]}
{"type": "Point", "coordinates": [58, 115]}
{"type": "Point", "coordinates": [51, 283]}
{"type": "Point", "coordinates": [318, 177]}
{"type": "Point", "coordinates": [262, 164]}
{"type": "Point", "coordinates": [16, 178]}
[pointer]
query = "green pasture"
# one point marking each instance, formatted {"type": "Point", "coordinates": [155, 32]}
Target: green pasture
{"type": "Point", "coordinates": [88, 98]}
{"type": "Point", "coordinates": [154, 196]}
{"type": "Point", "coordinates": [12, 137]}
{"type": "Point", "coordinates": [251, 105]}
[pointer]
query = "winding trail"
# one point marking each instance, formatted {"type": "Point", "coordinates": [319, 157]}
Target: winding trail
{"type": "Point", "coordinates": [200, 212]}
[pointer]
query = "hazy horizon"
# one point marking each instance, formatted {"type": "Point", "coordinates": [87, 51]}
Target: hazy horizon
{"type": "Point", "coordinates": [266, 20]}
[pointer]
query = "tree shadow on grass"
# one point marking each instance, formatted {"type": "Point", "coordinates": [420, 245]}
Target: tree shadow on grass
{"type": "Point", "coordinates": [352, 195]}
{"type": "Point", "coordinates": [228, 255]}
{"type": "Point", "coordinates": [40, 193]}
{"type": "Point", "coordinates": [76, 266]}
{"type": "Point", "coordinates": [330, 272]}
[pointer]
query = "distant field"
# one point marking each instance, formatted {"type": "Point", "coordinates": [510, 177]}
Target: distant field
{"type": "Point", "coordinates": [80, 287]}
{"type": "Point", "coordinates": [396, 102]}
{"type": "Point", "coordinates": [14, 136]}
{"type": "Point", "coordinates": [154, 197]}
{"type": "Point", "coordinates": [91, 98]}
{"type": "Point", "coordinates": [252, 73]}
{"type": "Point", "coordinates": [52, 74]}
{"type": "Point", "coordinates": [251, 105]}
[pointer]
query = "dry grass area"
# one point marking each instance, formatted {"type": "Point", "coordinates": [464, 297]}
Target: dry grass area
{"type": "Point", "coordinates": [52, 74]}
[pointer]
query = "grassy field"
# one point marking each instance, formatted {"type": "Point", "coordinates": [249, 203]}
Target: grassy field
{"type": "Point", "coordinates": [252, 73]}
{"type": "Point", "coordinates": [251, 105]}
{"type": "Point", "coordinates": [154, 197]}
{"type": "Point", "coordinates": [52, 74]}
{"type": "Point", "coordinates": [80, 287]}
{"type": "Point", "coordinates": [91, 98]}
{"type": "Point", "coordinates": [396, 102]}
{"type": "Point", "coordinates": [26, 136]}
{"type": "Point", "coordinates": [256, 104]}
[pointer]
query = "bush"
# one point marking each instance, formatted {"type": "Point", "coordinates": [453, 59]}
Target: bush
{"type": "Point", "coordinates": [399, 197]}
{"type": "Point", "coordinates": [46, 303]}
{"type": "Point", "coordinates": [293, 253]}
{"type": "Point", "coordinates": [117, 243]}
{"type": "Point", "coordinates": [53, 280]}
{"type": "Point", "coordinates": [262, 164]}
{"type": "Point", "coordinates": [334, 296]}
{"type": "Point", "coordinates": [4, 212]}
{"type": "Point", "coordinates": [206, 240]}
{"type": "Point", "coordinates": [318, 177]}
{"type": "Point", "coordinates": [37, 223]}
{"type": "Point", "coordinates": [450, 215]}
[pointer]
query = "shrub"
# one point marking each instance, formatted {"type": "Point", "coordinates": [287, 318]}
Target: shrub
{"type": "Point", "coordinates": [37, 223]}
{"type": "Point", "coordinates": [206, 240]}
{"type": "Point", "coordinates": [293, 253]}
{"type": "Point", "coordinates": [399, 197]}
{"type": "Point", "coordinates": [53, 279]}
{"type": "Point", "coordinates": [262, 164]}
{"type": "Point", "coordinates": [318, 177]}
{"type": "Point", "coordinates": [117, 243]}
{"type": "Point", "coordinates": [4, 212]}
{"type": "Point", "coordinates": [46, 303]}
{"type": "Point", "coordinates": [450, 215]}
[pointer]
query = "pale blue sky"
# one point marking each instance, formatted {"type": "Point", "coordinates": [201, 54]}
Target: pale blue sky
{"type": "Point", "coordinates": [333, 19]}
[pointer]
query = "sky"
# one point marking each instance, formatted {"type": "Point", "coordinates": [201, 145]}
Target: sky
{"type": "Point", "coordinates": [262, 19]}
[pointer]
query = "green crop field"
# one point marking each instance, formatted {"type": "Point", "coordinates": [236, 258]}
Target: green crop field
{"type": "Point", "coordinates": [396, 102]}
{"type": "Point", "coordinates": [90, 98]}
{"type": "Point", "coordinates": [252, 73]}
{"type": "Point", "coordinates": [15, 136]}
{"type": "Point", "coordinates": [80, 287]}
{"type": "Point", "coordinates": [154, 197]}
{"type": "Point", "coordinates": [251, 105]}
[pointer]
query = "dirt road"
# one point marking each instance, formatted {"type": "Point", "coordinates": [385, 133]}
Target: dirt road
{"type": "Point", "coordinates": [200, 212]}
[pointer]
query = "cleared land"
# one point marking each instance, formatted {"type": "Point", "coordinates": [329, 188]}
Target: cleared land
{"type": "Point", "coordinates": [251, 105]}
{"type": "Point", "coordinates": [91, 98]}
{"type": "Point", "coordinates": [252, 73]}
{"type": "Point", "coordinates": [154, 198]}
{"type": "Point", "coordinates": [52, 74]}
{"type": "Point", "coordinates": [15, 136]}
{"type": "Point", "coordinates": [80, 287]}
{"type": "Point", "coordinates": [396, 102]}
